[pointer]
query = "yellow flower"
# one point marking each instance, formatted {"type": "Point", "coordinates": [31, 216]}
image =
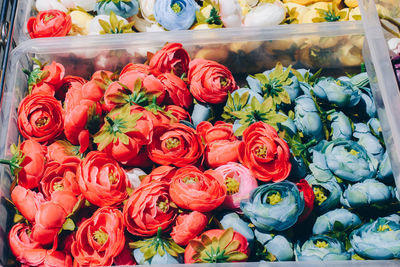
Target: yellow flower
{"type": "Point", "coordinates": [306, 2]}
{"type": "Point", "coordinates": [80, 22]}
{"type": "Point", "coordinates": [351, 3]}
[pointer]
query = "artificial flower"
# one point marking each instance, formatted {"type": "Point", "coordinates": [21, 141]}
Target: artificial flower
{"type": "Point", "coordinates": [188, 227]}
{"type": "Point", "coordinates": [321, 248]}
{"type": "Point", "coordinates": [175, 14]}
{"type": "Point", "coordinates": [162, 173]}
{"type": "Point", "coordinates": [27, 202]}
{"type": "Point", "coordinates": [50, 23]}
{"type": "Point", "coordinates": [178, 92]}
{"type": "Point", "coordinates": [335, 220]}
{"type": "Point", "coordinates": [172, 58]}
{"type": "Point", "coordinates": [121, 8]}
{"type": "Point", "coordinates": [274, 247]}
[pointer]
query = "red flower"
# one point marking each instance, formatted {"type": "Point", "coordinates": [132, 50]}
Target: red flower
{"type": "Point", "coordinates": [265, 153]}
{"type": "Point", "coordinates": [188, 227]}
{"type": "Point", "coordinates": [308, 196]}
{"type": "Point", "coordinates": [55, 75]}
{"type": "Point", "coordinates": [101, 180]}
{"type": "Point", "coordinates": [178, 92]}
{"type": "Point", "coordinates": [99, 239]}
{"type": "Point", "coordinates": [210, 81]}
{"type": "Point", "coordinates": [67, 83]}
{"type": "Point", "coordinates": [178, 112]}
{"type": "Point", "coordinates": [221, 152]}
{"type": "Point", "coordinates": [47, 80]}
{"type": "Point", "coordinates": [175, 144]}
{"type": "Point", "coordinates": [27, 202]}
{"type": "Point", "coordinates": [171, 58]}
{"type": "Point", "coordinates": [50, 23]}
{"type": "Point", "coordinates": [124, 133]}
{"type": "Point", "coordinates": [220, 131]}
{"type": "Point", "coordinates": [61, 151]}
{"type": "Point", "coordinates": [217, 245]}
{"type": "Point", "coordinates": [148, 208]}
{"type": "Point", "coordinates": [60, 177]}
{"type": "Point", "coordinates": [40, 117]}
{"type": "Point", "coordinates": [136, 67]}
{"type": "Point", "coordinates": [194, 190]}
{"type": "Point", "coordinates": [162, 173]}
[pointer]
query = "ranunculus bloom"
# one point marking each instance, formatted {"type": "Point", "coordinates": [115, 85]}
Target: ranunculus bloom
{"type": "Point", "coordinates": [175, 144]}
{"type": "Point", "coordinates": [60, 151]}
{"type": "Point", "coordinates": [221, 152]}
{"type": "Point", "coordinates": [178, 112]}
{"type": "Point", "coordinates": [265, 153]}
{"type": "Point", "coordinates": [51, 216]}
{"type": "Point", "coordinates": [188, 227]}
{"type": "Point", "coordinates": [178, 93]}
{"type": "Point", "coordinates": [51, 78]}
{"type": "Point", "coordinates": [194, 190]}
{"type": "Point", "coordinates": [172, 58]}
{"type": "Point", "coordinates": [210, 81]}
{"type": "Point", "coordinates": [100, 238]}
{"type": "Point", "coordinates": [40, 117]}
{"type": "Point", "coordinates": [220, 131]}
{"type": "Point", "coordinates": [136, 67]}
{"type": "Point", "coordinates": [308, 196]}
{"type": "Point", "coordinates": [50, 23]}
{"type": "Point", "coordinates": [148, 208]}
{"type": "Point", "coordinates": [67, 83]}
{"type": "Point", "coordinates": [239, 183]}
{"type": "Point", "coordinates": [60, 177]}
{"type": "Point", "coordinates": [27, 202]}
{"type": "Point", "coordinates": [101, 180]}
{"type": "Point", "coordinates": [162, 173]}
{"type": "Point", "coordinates": [32, 166]}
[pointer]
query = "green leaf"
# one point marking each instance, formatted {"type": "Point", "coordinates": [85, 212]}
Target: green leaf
{"type": "Point", "coordinates": [338, 226]}
{"type": "Point", "coordinates": [18, 218]}
{"type": "Point", "coordinates": [69, 225]}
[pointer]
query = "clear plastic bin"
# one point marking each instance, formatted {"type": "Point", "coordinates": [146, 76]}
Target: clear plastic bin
{"type": "Point", "coordinates": [241, 50]}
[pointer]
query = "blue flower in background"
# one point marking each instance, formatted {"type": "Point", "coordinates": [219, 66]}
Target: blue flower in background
{"type": "Point", "coordinates": [321, 248]}
{"type": "Point", "coordinates": [175, 14]}
{"type": "Point", "coordinates": [340, 93]}
{"type": "Point", "coordinates": [122, 8]}
{"type": "Point", "coordinates": [327, 194]}
{"type": "Point", "coordinates": [156, 259]}
{"type": "Point", "coordinates": [365, 138]}
{"type": "Point", "coordinates": [341, 126]}
{"type": "Point", "coordinates": [366, 193]}
{"type": "Point", "coordinates": [274, 207]}
{"type": "Point", "coordinates": [385, 173]}
{"type": "Point", "coordinates": [277, 246]}
{"type": "Point", "coordinates": [375, 126]}
{"type": "Point", "coordinates": [378, 240]}
{"type": "Point", "coordinates": [367, 103]}
{"type": "Point", "coordinates": [289, 126]}
{"type": "Point", "coordinates": [335, 220]}
{"type": "Point", "coordinates": [233, 220]}
{"type": "Point", "coordinates": [307, 119]}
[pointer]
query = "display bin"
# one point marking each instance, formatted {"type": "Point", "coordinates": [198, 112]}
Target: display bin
{"type": "Point", "coordinates": [336, 47]}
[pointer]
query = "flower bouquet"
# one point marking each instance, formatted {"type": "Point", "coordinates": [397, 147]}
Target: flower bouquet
{"type": "Point", "coordinates": [57, 18]}
{"type": "Point", "coordinates": [179, 161]}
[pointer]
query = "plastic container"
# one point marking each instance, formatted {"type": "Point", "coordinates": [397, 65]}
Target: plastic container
{"type": "Point", "coordinates": [241, 50]}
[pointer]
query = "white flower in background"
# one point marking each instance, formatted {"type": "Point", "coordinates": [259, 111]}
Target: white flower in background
{"type": "Point", "coordinates": [87, 5]}
{"type": "Point", "coordinates": [134, 177]}
{"type": "Point", "coordinates": [95, 27]}
{"type": "Point", "coordinates": [394, 45]}
{"type": "Point", "coordinates": [266, 14]}
{"type": "Point", "coordinates": [80, 22]}
{"type": "Point", "coordinates": [44, 5]}
{"type": "Point", "coordinates": [143, 25]}
{"type": "Point", "coordinates": [147, 9]}
{"type": "Point", "coordinates": [230, 13]}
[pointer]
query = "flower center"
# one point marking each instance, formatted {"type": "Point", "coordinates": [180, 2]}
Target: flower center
{"type": "Point", "coordinates": [353, 152]}
{"type": "Point", "coordinates": [319, 194]}
{"type": "Point", "coordinates": [42, 122]}
{"type": "Point", "coordinates": [223, 82]}
{"type": "Point", "coordinates": [58, 187]}
{"type": "Point", "coordinates": [261, 152]}
{"type": "Point", "coordinates": [112, 177]}
{"type": "Point", "coordinates": [274, 198]}
{"type": "Point", "coordinates": [172, 142]}
{"type": "Point", "coordinates": [48, 17]}
{"type": "Point", "coordinates": [100, 237]}
{"type": "Point", "coordinates": [163, 205]}
{"type": "Point", "coordinates": [321, 244]}
{"type": "Point", "coordinates": [190, 180]}
{"type": "Point", "coordinates": [232, 185]}
{"type": "Point", "coordinates": [176, 8]}
{"type": "Point", "coordinates": [384, 227]}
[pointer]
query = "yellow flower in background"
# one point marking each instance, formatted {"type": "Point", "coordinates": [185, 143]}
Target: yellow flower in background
{"type": "Point", "coordinates": [355, 14]}
{"type": "Point", "coordinates": [307, 17]}
{"type": "Point", "coordinates": [294, 11]}
{"type": "Point", "coordinates": [80, 22]}
{"type": "Point", "coordinates": [306, 2]}
{"type": "Point", "coordinates": [351, 3]}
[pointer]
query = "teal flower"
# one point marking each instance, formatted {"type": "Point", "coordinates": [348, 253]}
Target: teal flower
{"type": "Point", "coordinates": [340, 93]}
{"type": "Point", "coordinates": [201, 112]}
{"type": "Point", "coordinates": [307, 119]}
{"type": "Point", "coordinates": [341, 125]}
{"type": "Point", "coordinates": [385, 173]}
{"type": "Point", "coordinates": [367, 105]}
{"type": "Point", "coordinates": [233, 220]}
{"type": "Point", "coordinates": [335, 220]}
{"type": "Point", "coordinates": [274, 247]}
{"type": "Point", "coordinates": [175, 14]}
{"type": "Point", "coordinates": [274, 207]}
{"type": "Point", "coordinates": [378, 240]}
{"type": "Point", "coordinates": [366, 193]}
{"type": "Point", "coordinates": [122, 8]}
{"type": "Point", "coordinates": [321, 248]}
{"type": "Point", "coordinates": [327, 194]}
{"type": "Point", "coordinates": [366, 139]}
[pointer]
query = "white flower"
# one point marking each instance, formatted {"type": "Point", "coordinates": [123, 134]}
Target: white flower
{"type": "Point", "coordinates": [87, 5]}
{"type": "Point", "coordinates": [134, 177]}
{"type": "Point", "coordinates": [147, 9]}
{"type": "Point", "coordinates": [230, 13]}
{"type": "Point", "coordinates": [44, 5]}
{"type": "Point", "coordinates": [394, 46]}
{"type": "Point", "coordinates": [266, 15]}
{"type": "Point", "coordinates": [95, 27]}
{"type": "Point", "coordinates": [143, 25]}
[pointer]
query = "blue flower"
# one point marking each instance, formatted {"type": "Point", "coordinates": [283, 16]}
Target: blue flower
{"type": "Point", "coordinates": [233, 220]}
{"type": "Point", "coordinates": [335, 220]}
{"type": "Point", "coordinates": [367, 103]}
{"type": "Point", "coordinates": [307, 119]}
{"type": "Point", "coordinates": [289, 126]}
{"type": "Point", "coordinates": [121, 8]}
{"type": "Point", "coordinates": [276, 246]}
{"type": "Point", "coordinates": [321, 248]}
{"type": "Point", "coordinates": [274, 207]}
{"type": "Point", "coordinates": [252, 94]}
{"type": "Point", "coordinates": [385, 173]}
{"type": "Point", "coordinates": [340, 93]}
{"type": "Point", "coordinates": [175, 14]}
{"type": "Point", "coordinates": [341, 126]}
{"type": "Point", "coordinates": [365, 138]}
{"type": "Point", "coordinates": [378, 240]}
{"type": "Point", "coordinates": [375, 126]}
{"type": "Point", "coordinates": [201, 112]}
{"type": "Point", "coordinates": [366, 193]}
{"type": "Point", "coordinates": [299, 168]}
{"type": "Point", "coordinates": [327, 194]}
{"type": "Point", "coordinates": [254, 84]}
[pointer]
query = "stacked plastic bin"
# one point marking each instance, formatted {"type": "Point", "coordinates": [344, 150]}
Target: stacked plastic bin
{"type": "Point", "coordinates": [337, 47]}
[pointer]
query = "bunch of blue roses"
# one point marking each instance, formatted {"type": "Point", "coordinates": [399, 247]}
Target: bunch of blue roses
{"type": "Point", "coordinates": [337, 146]}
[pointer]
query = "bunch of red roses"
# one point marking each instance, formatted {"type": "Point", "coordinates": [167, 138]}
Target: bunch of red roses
{"type": "Point", "coordinates": [73, 193]}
